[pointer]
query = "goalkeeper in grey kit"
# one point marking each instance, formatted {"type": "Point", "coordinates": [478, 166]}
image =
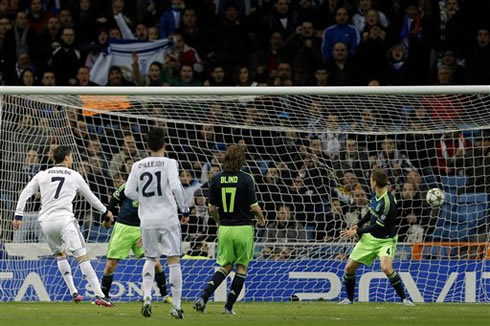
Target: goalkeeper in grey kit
{"type": "Point", "coordinates": [376, 240]}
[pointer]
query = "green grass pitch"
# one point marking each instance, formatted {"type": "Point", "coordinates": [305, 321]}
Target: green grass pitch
{"type": "Point", "coordinates": [256, 314]}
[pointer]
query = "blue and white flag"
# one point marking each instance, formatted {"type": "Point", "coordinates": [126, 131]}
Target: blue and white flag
{"type": "Point", "coordinates": [119, 53]}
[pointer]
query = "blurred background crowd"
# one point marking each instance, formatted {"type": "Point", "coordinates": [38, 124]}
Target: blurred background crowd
{"type": "Point", "coordinates": [250, 42]}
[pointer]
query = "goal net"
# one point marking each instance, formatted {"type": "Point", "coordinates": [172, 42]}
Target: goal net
{"type": "Point", "coordinates": [311, 152]}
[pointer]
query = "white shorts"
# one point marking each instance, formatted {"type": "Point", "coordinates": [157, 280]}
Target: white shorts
{"type": "Point", "coordinates": [170, 240]}
{"type": "Point", "coordinates": [63, 235]}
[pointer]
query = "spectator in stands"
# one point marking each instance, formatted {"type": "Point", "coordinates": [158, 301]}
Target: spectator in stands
{"type": "Point", "coordinates": [334, 222]}
{"type": "Point", "coordinates": [477, 165]}
{"type": "Point", "coordinates": [373, 47]}
{"type": "Point", "coordinates": [395, 73]}
{"type": "Point", "coordinates": [444, 75]}
{"type": "Point", "coordinates": [96, 47]}
{"type": "Point", "coordinates": [83, 77]}
{"type": "Point", "coordinates": [351, 159]}
{"type": "Point", "coordinates": [341, 32]}
{"type": "Point", "coordinates": [27, 78]}
{"type": "Point", "coordinates": [37, 17]}
{"type": "Point", "coordinates": [99, 180]}
{"type": "Point", "coordinates": [349, 183]}
{"type": "Point", "coordinates": [325, 15]}
{"type": "Point", "coordinates": [271, 188]}
{"type": "Point", "coordinates": [171, 18]}
{"type": "Point", "coordinates": [194, 35]}
{"type": "Point", "coordinates": [20, 39]}
{"type": "Point", "coordinates": [48, 78]}
{"type": "Point", "coordinates": [303, 50]}
{"type": "Point", "coordinates": [153, 33]}
{"type": "Point", "coordinates": [361, 16]}
{"type": "Point", "coordinates": [86, 22]}
{"type": "Point", "coordinates": [116, 77]}
{"type": "Point", "coordinates": [13, 76]}
{"type": "Point", "coordinates": [341, 67]}
{"type": "Point", "coordinates": [186, 77]}
{"type": "Point", "coordinates": [217, 76]}
{"type": "Point", "coordinates": [415, 178]}
{"type": "Point", "coordinates": [267, 59]}
{"type": "Point", "coordinates": [394, 162]}
{"type": "Point", "coordinates": [333, 139]}
{"type": "Point", "coordinates": [229, 44]}
{"type": "Point", "coordinates": [190, 184]}
{"type": "Point", "coordinates": [285, 228]}
{"type": "Point", "coordinates": [416, 37]}
{"type": "Point", "coordinates": [449, 60]}
{"type": "Point", "coordinates": [153, 76]}
{"type": "Point", "coordinates": [450, 153]}
{"type": "Point", "coordinates": [419, 147]}
{"type": "Point", "coordinates": [359, 207]}
{"type": "Point", "coordinates": [452, 27]}
{"type": "Point", "coordinates": [66, 58]}
{"type": "Point", "coordinates": [129, 149]}
{"type": "Point", "coordinates": [282, 19]}
{"type": "Point", "coordinates": [412, 210]}
{"type": "Point", "coordinates": [48, 40]}
{"type": "Point", "coordinates": [477, 65]}
{"type": "Point", "coordinates": [66, 18]}
{"type": "Point", "coordinates": [320, 76]}
{"type": "Point", "coordinates": [183, 54]}
{"type": "Point", "coordinates": [284, 76]}
{"type": "Point", "coordinates": [94, 148]}
{"type": "Point", "coordinates": [243, 77]}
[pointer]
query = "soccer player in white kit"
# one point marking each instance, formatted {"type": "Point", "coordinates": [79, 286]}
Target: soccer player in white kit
{"type": "Point", "coordinates": [154, 182]}
{"type": "Point", "coordinates": [58, 186]}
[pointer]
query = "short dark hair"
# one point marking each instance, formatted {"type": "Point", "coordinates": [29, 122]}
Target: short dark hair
{"type": "Point", "coordinates": [60, 153]}
{"type": "Point", "coordinates": [155, 138]}
{"type": "Point", "coordinates": [380, 176]}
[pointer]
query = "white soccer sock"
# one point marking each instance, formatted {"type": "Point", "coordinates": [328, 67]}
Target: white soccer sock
{"type": "Point", "coordinates": [175, 279]}
{"type": "Point", "coordinates": [89, 274]}
{"type": "Point", "coordinates": [65, 270]}
{"type": "Point", "coordinates": [148, 275]}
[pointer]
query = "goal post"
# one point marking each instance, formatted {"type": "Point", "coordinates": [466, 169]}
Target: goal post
{"type": "Point", "coordinates": [310, 150]}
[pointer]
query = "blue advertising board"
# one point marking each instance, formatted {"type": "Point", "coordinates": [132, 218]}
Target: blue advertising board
{"type": "Point", "coordinates": [425, 280]}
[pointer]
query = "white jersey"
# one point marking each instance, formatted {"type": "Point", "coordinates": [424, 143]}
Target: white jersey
{"type": "Point", "coordinates": [153, 182]}
{"type": "Point", "coordinates": [58, 186]}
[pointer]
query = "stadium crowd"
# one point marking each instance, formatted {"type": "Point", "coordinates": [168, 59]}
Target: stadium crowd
{"type": "Point", "coordinates": [250, 42]}
{"type": "Point", "coordinates": [311, 184]}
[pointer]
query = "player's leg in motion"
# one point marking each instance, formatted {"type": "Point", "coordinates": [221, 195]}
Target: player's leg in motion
{"type": "Point", "coordinates": [175, 279]}
{"type": "Point", "coordinates": [148, 274]}
{"type": "Point", "coordinates": [162, 282]}
{"type": "Point", "coordinates": [236, 288]}
{"type": "Point", "coordinates": [65, 270]}
{"type": "Point", "coordinates": [92, 279]}
{"type": "Point", "coordinates": [108, 276]}
{"type": "Point", "coordinates": [350, 281]}
{"type": "Point", "coordinates": [218, 277]}
{"type": "Point", "coordinates": [395, 280]}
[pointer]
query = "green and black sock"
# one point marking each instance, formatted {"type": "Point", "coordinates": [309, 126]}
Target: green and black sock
{"type": "Point", "coordinates": [350, 285]}
{"type": "Point", "coordinates": [236, 288]}
{"type": "Point", "coordinates": [161, 282]}
{"type": "Point", "coordinates": [106, 283]}
{"type": "Point", "coordinates": [397, 284]}
{"type": "Point", "coordinates": [218, 277]}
